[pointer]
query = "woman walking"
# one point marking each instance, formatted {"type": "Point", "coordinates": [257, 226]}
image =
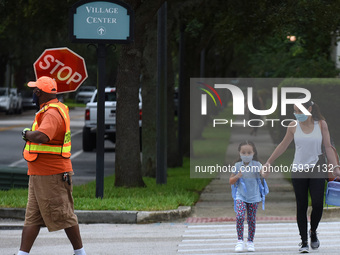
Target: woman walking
{"type": "Point", "coordinates": [309, 169]}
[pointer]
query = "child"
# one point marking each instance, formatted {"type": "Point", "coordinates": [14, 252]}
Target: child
{"type": "Point", "coordinates": [248, 191]}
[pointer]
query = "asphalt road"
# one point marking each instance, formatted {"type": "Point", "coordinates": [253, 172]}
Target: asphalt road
{"type": "Point", "coordinates": [173, 238]}
{"type": "Point", "coordinates": [84, 163]}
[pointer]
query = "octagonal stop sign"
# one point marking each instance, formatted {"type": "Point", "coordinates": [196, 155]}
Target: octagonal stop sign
{"type": "Point", "coordinates": [64, 65]}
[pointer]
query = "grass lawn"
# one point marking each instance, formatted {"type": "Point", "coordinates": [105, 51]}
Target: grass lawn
{"type": "Point", "coordinates": [71, 103]}
{"type": "Point", "coordinates": [179, 190]}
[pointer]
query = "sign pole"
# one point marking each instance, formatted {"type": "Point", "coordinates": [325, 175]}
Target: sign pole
{"type": "Point", "coordinates": [103, 22]}
{"type": "Point", "coordinates": [101, 52]}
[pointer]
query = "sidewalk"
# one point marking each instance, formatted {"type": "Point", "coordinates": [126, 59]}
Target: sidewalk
{"type": "Point", "coordinates": [216, 203]}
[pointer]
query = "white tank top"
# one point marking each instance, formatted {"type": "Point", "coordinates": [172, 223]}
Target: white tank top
{"type": "Point", "coordinates": [307, 147]}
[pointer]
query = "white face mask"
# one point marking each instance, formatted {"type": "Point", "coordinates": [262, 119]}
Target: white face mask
{"type": "Point", "coordinates": [246, 159]}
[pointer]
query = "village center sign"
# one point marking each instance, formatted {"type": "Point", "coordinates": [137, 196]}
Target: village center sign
{"type": "Point", "coordinates": [101, 21]}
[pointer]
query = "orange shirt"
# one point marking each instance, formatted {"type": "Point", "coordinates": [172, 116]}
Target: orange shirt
{"type": "Point", "coordinates": [52, 124]}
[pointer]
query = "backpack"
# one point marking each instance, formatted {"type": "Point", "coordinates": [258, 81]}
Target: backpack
{"type": "Point", "coordinates": [264, 190]}
{"type": "Point", "coordinates": [333, 193]}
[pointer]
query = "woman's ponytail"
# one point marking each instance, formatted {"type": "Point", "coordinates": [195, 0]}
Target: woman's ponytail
{"type": "Point", "coordinates": [316, 113]}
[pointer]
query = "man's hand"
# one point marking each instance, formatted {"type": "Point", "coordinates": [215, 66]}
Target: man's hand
{"type": "Point", "coordinates": [23, 133]}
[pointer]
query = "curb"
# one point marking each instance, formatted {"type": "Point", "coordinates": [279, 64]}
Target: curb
{"type": "Point", "coordinates": [118, 217]}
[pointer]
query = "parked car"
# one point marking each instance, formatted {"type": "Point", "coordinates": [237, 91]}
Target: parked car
{"type": "Point", "coordinates": [17, 100]}
{"type": "Point", "coordinates": [7, 101]}
{"type": "Point", "coordinates": [27, 99]}
{"type": "Point", "coordinates": [84, 94]}
{"type": "Point", "coordinates": [90, 128]}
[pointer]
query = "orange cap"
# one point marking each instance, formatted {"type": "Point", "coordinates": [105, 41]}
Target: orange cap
{"type": "Point", "coordinates": [45, 83]}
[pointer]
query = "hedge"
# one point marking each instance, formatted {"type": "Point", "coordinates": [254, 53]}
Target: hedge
{"type": "Point", "coordinates": [325, 92]}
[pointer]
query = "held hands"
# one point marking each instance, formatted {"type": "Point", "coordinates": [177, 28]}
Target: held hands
{"type": "Point", "coordinates": [265, 170]}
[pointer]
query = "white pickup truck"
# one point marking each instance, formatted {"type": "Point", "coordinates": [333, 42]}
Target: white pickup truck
{"type": "Point", "coordinates": [90, 128]}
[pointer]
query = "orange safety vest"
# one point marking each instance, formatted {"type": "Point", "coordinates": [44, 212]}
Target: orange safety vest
{"type": "Point", "coordinates": [32, 150]}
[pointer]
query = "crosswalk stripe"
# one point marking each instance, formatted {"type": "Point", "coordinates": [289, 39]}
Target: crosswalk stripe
{"type": "Point", "coordinates": [292, 242]}
{"type": "Point", "coordinates": [221, 238]}
{"type": "Point", "coordinates": [335, 225]}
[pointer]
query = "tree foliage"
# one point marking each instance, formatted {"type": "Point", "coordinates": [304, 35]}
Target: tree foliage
{"type": "Point", "coordinates": [238, 38]}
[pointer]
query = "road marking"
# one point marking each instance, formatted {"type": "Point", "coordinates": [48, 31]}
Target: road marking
{"type": "Point", "coordinates": [18, 162]}
{"type": "Point", "coordinates": [232, 219]}
{"type": "Point", "coordinates": [76, 133]}
{"type": "Point", "coordinates": [11, 127]}
{"type": "Point", "coordinates": [221, 238]}
{"type": "Point", "coordinates": [76, 154]}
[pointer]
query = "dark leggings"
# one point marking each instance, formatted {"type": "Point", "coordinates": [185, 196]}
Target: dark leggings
{"type": "Point", "coordinates": [316, 189]}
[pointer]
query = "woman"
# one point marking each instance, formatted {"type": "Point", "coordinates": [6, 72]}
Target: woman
{"type": "Point", "coordinates": [308, 168]}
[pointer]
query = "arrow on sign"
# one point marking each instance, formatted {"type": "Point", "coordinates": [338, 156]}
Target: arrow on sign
{"type": "Point", "coordinates": [101, 30]}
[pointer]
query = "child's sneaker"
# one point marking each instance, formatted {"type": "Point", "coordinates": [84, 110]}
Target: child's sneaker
{"type": "Point", "coordinates": [250, 246]}
{"type": "Point", "coordinates": [239, 246]}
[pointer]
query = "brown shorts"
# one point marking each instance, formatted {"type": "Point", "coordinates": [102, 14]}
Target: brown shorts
{"type": "Point", "coordinates": [50, 203]}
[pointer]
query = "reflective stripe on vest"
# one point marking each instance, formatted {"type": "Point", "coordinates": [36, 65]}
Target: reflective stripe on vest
{"type": "Point", "coordinates": [32, 150]}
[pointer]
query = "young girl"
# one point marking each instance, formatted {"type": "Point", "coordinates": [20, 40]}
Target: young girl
{"type": "Point", "coordinates": [249, 191]}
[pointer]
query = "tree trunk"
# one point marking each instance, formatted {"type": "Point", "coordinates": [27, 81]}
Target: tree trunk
{"type": "Point", "coordinates": [149, 132]}
{"type": "Point", "coordinates": [174, 159]}
{"type": "Point", "coordinates": [128, 163]}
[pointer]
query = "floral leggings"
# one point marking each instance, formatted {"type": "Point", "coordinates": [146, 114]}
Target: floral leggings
{"type": "Point", "coordinates": [251, 209]}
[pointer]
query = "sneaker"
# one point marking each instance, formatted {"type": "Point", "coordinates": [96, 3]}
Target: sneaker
{"type": "Point", "coordinates": [304, 247]}
{"type": "Point", "coordinates": [250, 246]}
{"type": "Point", "coordinates": [239, 246]}
{"type": "Point", "coordinates": [314, 241]}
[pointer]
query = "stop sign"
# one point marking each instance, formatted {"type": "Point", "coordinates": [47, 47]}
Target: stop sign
{"type": "Point", "coordinates": [64, 65]}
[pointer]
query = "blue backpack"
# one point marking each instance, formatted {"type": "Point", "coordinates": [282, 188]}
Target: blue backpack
{"type": "Point", "coordinates": [264, 190]}
{"type": "Point", "coordinates": [333, 193]}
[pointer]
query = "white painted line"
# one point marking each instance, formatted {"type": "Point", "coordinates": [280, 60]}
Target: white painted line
{"type": "Point", "coordinates": [209, 235]}
{"type": "Point", "coordinates": [226, 233]}
{"type": "Point", "coordinates": [258, 248]}
{"type": "Point", "coordinates": [209, 230]}
{"type": "Point", "coordinates": [206, 244]}
{"type": "Point", "coordinates": [292, 242]}
{"type": "Point", "coordinates": [257, 252]}
{"type": "Point", "coordinates": [76, 133]}
{"type": "Point", "coordinates": [76, 154]}
{"type": "Point", "coordinates": [18, 162]}
{"type": "Point", "coordinates": [328, 225]}
{"type": "Point", "coordinates": [207, 240]}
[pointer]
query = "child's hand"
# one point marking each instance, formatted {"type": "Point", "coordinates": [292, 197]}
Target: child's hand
{"type": "Point", "coordinates": [239, 174]}
{"type": "Point", "coordinates": [266, 167]}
